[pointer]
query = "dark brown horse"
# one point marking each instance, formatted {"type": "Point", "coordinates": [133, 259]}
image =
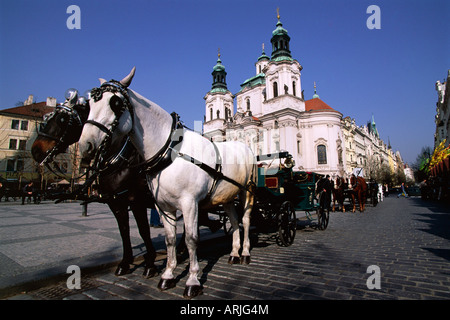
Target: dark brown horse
{"type": "Point", "coordinates": [121, 188]}
{"type": "Point", "coordinates": [359, 191]}
{"type": "Point", "coordinates": [339, 193]}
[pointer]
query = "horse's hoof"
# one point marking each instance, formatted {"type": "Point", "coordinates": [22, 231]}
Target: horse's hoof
{"type": "Point", "coordinates": [150, 272]}
{"type": "Point", "coordinates": [234, 260]}
{"type": "Point", "coordinates": [245, 260]}
{"type": "Point", "coordinates": [192, 291]}
{"type": "Point", "coordinates": [165, 284]}
{"type": "Point", "coordinates": [122, 270]}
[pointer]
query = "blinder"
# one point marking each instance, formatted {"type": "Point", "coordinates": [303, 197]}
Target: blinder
{"type": "Point", "coordinates": [69, 119]}
{"type": "Point", "coordinates": [116, 105]}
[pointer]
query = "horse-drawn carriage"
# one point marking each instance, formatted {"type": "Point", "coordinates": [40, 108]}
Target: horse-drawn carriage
{"type": "Point", "coordinates": [167, 153]}
{"type": "Point", "coordinates": [356, 190]}
{"type": "Point", "coordinates": [280, 192]}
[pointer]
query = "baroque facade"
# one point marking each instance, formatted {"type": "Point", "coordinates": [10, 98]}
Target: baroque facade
{"type": "Point", "coordinates": [272, 115]}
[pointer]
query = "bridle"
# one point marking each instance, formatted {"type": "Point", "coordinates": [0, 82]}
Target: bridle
{"type": "Point", "coordinates": [118, 104]}
{"type": "Point", "coordinates": [61, 142]}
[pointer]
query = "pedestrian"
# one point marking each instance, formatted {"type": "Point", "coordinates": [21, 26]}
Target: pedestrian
{"type": "Point", "coordinates": [325, 185]}
{"type": "Point", "coordinates": [27, 191]}
{"type": "Point", "coordinates": [403, 193]}
{"type": "Point", "coordinates": [155, 222]}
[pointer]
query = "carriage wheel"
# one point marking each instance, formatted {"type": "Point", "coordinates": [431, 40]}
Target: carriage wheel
{"type": "Point", "coordinates": [287, 224]}
{"type": "Point", "coordinates": [323, 216]}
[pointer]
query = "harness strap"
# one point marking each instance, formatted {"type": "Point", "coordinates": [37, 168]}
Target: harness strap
{"type": "Point", "coordinates": [217, 175]}
{"type": "Point", "coordinates": [162, 158]}
{"type": "Point", "coordinates": [101, 126]}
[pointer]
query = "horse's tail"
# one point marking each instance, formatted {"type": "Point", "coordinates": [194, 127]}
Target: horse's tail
{"type": "Point", "coordinates": [253, 180]}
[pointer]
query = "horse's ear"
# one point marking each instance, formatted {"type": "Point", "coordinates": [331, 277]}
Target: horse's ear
{"type": "Point", "coordinates": [127, 80]}
{"type": "Point", "coordinates": [102, 81]}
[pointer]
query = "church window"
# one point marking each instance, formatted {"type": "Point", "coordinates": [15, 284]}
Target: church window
{"type": "Point", "coordinates": [248, 104]}
{"type": "Point", "coordinates": [293, 88]}
{"type": "Point", "coordinates": [321, 154]}
{"type": "Point", "coordinates": [211, 114]}
{"type": "Point", "coordinates": [298, 146]}
{"type": "Point", "coordinates": [275, 89]}
{"type": "Point", "coordinates": [218, 114]}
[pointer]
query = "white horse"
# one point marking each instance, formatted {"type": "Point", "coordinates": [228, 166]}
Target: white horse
{"type": "Point", "coordinates": [185, 183]}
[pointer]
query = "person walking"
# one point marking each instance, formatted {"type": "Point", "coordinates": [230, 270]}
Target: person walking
{"type": "Point", "coordinates": [403, 193]}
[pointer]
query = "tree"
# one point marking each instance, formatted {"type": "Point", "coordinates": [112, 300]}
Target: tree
{"type": "Point", "coordinates": [420, 166]}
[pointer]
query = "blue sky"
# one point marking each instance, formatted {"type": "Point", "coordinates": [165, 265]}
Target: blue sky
{"type": "Point", "coordinates": [389, 73]}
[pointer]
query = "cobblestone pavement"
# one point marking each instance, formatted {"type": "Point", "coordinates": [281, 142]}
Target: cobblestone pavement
{"type": "Point", "coordinates": [407, 239]}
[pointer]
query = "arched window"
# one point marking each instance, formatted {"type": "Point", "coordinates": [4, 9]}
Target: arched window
{"type": "Point", "coordinates": [293, 88]}
{"type": "Point", "coordinates": [321, 154]}
{"type": "Point", "coordinates": [248, 104]}
{"type": "Point", "coordinates": [210, 114]}
{"type": "Point", "coordinates": [275, 89]}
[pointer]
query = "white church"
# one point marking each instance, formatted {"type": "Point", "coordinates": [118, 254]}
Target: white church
{"type": "Point", "coordinates": [272, 114]}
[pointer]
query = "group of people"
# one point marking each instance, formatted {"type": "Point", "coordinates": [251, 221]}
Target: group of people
{"type": "Point", "coordinates": [28, 191]}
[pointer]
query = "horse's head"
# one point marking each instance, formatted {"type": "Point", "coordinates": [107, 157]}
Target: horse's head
{"type": "Point", "coordinates": [61, 128]}
{"type": "Point", "coordinates": [110, 117]}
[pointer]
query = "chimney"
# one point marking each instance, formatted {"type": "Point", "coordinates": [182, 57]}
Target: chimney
{"type": "Point", "coordinates": [51, 102]}
{"type": "Point", "coordinates": [29, 100]}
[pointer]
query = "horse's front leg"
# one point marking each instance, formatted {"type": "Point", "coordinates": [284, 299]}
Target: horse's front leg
{"type": "Point", "coordinates": [190, 214]}
{"type": "Point", "coordinates": [140, 215]}
{"type": "Point", "coordinates": [170, 227]}
{"type": "Point", "coordinates": [121, 214]}
{"type": "Point", "coordinates": [354, 202]}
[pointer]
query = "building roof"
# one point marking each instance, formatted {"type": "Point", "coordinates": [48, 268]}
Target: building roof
{"type": "Point", "coordinates": [34, 110]}
{"type": "Point", "coordinates": [316, 104]}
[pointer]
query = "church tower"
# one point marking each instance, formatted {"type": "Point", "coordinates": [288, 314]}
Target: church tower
{"type": "Point", "coordinates": [283, 84]}
{"type": "Point", "coordinates": [219, 102]}
{"type": "Point", "coordinates": [262, 62]}
{"type": "Point", "coordinates": [280, 42]}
